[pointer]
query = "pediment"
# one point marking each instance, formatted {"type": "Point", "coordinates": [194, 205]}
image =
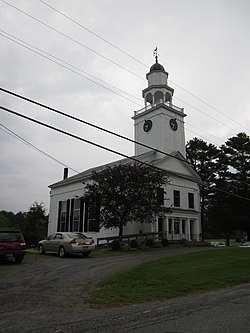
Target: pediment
{"type": "Point", "coordinates": [177, 165]}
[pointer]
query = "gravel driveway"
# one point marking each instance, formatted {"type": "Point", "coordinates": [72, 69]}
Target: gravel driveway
{"type": "Point", "coordinates": [47, 293]}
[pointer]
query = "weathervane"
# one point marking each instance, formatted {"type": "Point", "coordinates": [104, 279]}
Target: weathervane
{"type": "Point", "coordinates": [156, 54]}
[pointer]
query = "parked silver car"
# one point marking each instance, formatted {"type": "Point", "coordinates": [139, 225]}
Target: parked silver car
{"type": "Point", "coordinates": [219, 244]}
{"type": "Point", "coordinates": [65, 243]}
{"type": "Point", "coordinates": [246, 244]}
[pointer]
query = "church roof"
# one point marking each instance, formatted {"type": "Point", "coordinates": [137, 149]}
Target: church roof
{"type": "Point", "coordinates": [151, 157]}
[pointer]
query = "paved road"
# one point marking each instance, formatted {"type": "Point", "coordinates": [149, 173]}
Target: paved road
{"type": "Point", "coordinates": [44, 294]}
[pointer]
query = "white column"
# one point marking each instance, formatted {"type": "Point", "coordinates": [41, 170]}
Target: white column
{"type": "Point", "coordinates": [188, 230]}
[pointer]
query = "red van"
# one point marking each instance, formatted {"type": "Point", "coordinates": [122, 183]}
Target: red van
{"type": "Point", "coordinates": [12, 243]}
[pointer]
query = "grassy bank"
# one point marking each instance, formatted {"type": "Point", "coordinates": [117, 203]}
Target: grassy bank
{"type": "Point", "coordinates": [174, 276]}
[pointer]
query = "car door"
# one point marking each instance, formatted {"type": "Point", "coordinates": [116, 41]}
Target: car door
{"type": "Point", "coordinates": [48, 244]}
{"type": "Point", "coordinates": [57, 241]}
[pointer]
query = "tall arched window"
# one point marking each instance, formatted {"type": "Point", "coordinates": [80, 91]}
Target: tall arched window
{"type": "Point", "coordinates": [158, 97]}
{"type": "Point", "coordinates": [149, 98]}
{"type": "Point", "coordinates": [168, 97]}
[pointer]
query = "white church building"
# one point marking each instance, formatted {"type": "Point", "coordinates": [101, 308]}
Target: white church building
{"type": "Point", "coordinates": [160, 141]}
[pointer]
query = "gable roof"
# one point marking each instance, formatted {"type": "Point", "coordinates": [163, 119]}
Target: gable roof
{"type": "Point", "coordinates": [176, 166]}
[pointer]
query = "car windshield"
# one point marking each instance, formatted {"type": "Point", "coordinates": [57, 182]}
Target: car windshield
{"type": "Point", "coordinates": [74, 235]}
{"type": "Point", "coordinates": [10, 236]}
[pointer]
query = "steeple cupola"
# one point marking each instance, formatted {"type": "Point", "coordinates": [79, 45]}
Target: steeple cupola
{"type": "Point", "coordinates": [159, 124]}
{"type": "Point", "coordinates": [158, 90]}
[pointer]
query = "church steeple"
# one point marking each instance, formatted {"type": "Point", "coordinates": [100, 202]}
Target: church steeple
{"type": "Point", "coordinates": [158, 90]}
{"type": "Point", "coordinates": [160, 124]}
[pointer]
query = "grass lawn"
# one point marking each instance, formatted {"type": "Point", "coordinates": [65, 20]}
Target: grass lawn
{"type": "Point", "coordinates": [174, 276]}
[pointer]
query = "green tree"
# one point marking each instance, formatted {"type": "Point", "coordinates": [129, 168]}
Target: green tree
{"type": "Point", "coordinates": [237, 152]}
{"type": "Point", "coordinates": [9, 219]}
{"type": "Point", "coordinates": [5, 219]}
{"type": "Point", "coordinates": [35, 224]}
{"type": "Point", "coordinates": [228, 210]}
{"type": "Point", "coordinates": [126, 193]}
{"type": "Point", "coordinates": [204, 159]}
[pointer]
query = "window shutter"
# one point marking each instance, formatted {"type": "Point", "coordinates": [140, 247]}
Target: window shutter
{"type": "Point", "coordinates": [86, 214]}
{"type": "Point", "coordinates": [81, 214]}
{"type": "Point", "coordinates": [71, 215]}
{"type": "Point", "coordinates": [59, 215]}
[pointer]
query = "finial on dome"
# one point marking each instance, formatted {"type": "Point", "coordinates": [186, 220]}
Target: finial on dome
{"type": "Point", "coordinates": [156, 54]}
{"type": "Point", "coordinates": [156, 66]}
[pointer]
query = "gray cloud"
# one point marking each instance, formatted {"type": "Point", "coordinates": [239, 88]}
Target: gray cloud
{"type": "Point", "coordinates": [203, 45]}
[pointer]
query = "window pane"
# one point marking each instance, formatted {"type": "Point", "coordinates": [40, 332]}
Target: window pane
{"type": "Point", "coordinates": [76, 214]}
{"type": "Point", "coordinates": [169, 226]}
{"type": "Point", "coordinates": [64, 206]}
{"type": "Point", "coordinates": [176, 226]}
{"type": "Point", "coordinates": [190, 200]}
{"type": "Point", "coordinates": [76, 226]}
{"type": "Point", "coordinates": [63, 216]}
{"type": "Point", "coordinates": [176, 198]}
{"type": "Point", "coordinates": [183, 226]}
{"type": "Point", "coordinates": [77, 203]}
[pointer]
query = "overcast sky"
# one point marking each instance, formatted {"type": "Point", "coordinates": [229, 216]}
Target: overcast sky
{"type": "Point", "coordinates": [204, 45]}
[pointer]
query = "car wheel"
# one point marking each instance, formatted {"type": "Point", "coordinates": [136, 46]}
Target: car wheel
{"type": "Point", "coordinates": [18, 259]}
{"type": "Point", "coordinates": [41, 249]}
{"type": "Point", "coordinates": [85, 254]}
{"type": "Point", "coordinates": [61, 252]}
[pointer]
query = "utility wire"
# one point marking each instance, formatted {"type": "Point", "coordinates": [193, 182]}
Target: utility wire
{"type": "Point", "coordinates": [90, 124]}
{"type": "Point", "coordinates": [93, 33]}
{"type": "Point", "coordinates": [72, 39]}
{"type": "Point", "coordinates": [71, 70]}
{"type": "Point", "coordinates": [64, 62]}
{"type": "Point", "coordinates": [218, 121]}
{"type": "Point", "coordinates": [111, 61]}
{"type": "Point", "coordinates": [212, 107]}
{"type": "Point", "coordinates": [113, 151]}
{"type": "Point", "coordinates": [85, 140]}
{"type": "Point", "coordinates": [18, 137]}
{"type": "Point", "coordinates": [77, 68]}
{"type": "Point", "coordinates": [130, 56]}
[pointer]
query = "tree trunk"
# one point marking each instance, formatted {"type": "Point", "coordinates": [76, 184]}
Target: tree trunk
{"type": "Point", "coordinates": [227, 239]}
{"type": "Point", "coordinates": [120, 231]}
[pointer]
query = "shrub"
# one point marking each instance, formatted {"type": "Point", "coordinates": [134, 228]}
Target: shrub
{"type": "Point", "coordinates": [240, 236]}
{"type": "Point", "coordinates": [164, 242]}
{"type": "Point", "coordinates": [150, 242]}
{"type": "Point", "coordinates": [133, 244]}
{"type": "Point", "coordinates": [115, 245]}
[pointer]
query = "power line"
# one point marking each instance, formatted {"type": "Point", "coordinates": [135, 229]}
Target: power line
{"type": "Point", "coordinates": [71, 70]}
{"type": "Point", "coordinates": [72, 39]}
{"type": "Point", "coordinates": [112, 150]}
{"type": "Point", "coordinates": [79, 43]}
{"type": "Point", "coordinates": [41, 22]}
{"type": "Point", "coordinates": [165, 116]}
{"type": "Point", "coordinates": [64, 62]}
{"type": "Point", "coordinates": [82, 139]}
{"type": "Point", "coordinates": [209, 105]}
{"type": "Point", "coordinates": [77, 68]}
{"type": "Point", "coordinates": [18, 137]}
{"type": "Point", "coordinates": [93, 33]}
{"type": "Point", "coordinates": [218, 121]}
{"type": "Point", "coordinates": [132, 57]}
{"type": "Point", "coordinates": [89, 124]}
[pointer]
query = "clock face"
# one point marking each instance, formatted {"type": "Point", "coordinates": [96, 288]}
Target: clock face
{"type": "Point", "coordinates": [147, 125]}
{"type": "Point", "coordinates": [173, 124]}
